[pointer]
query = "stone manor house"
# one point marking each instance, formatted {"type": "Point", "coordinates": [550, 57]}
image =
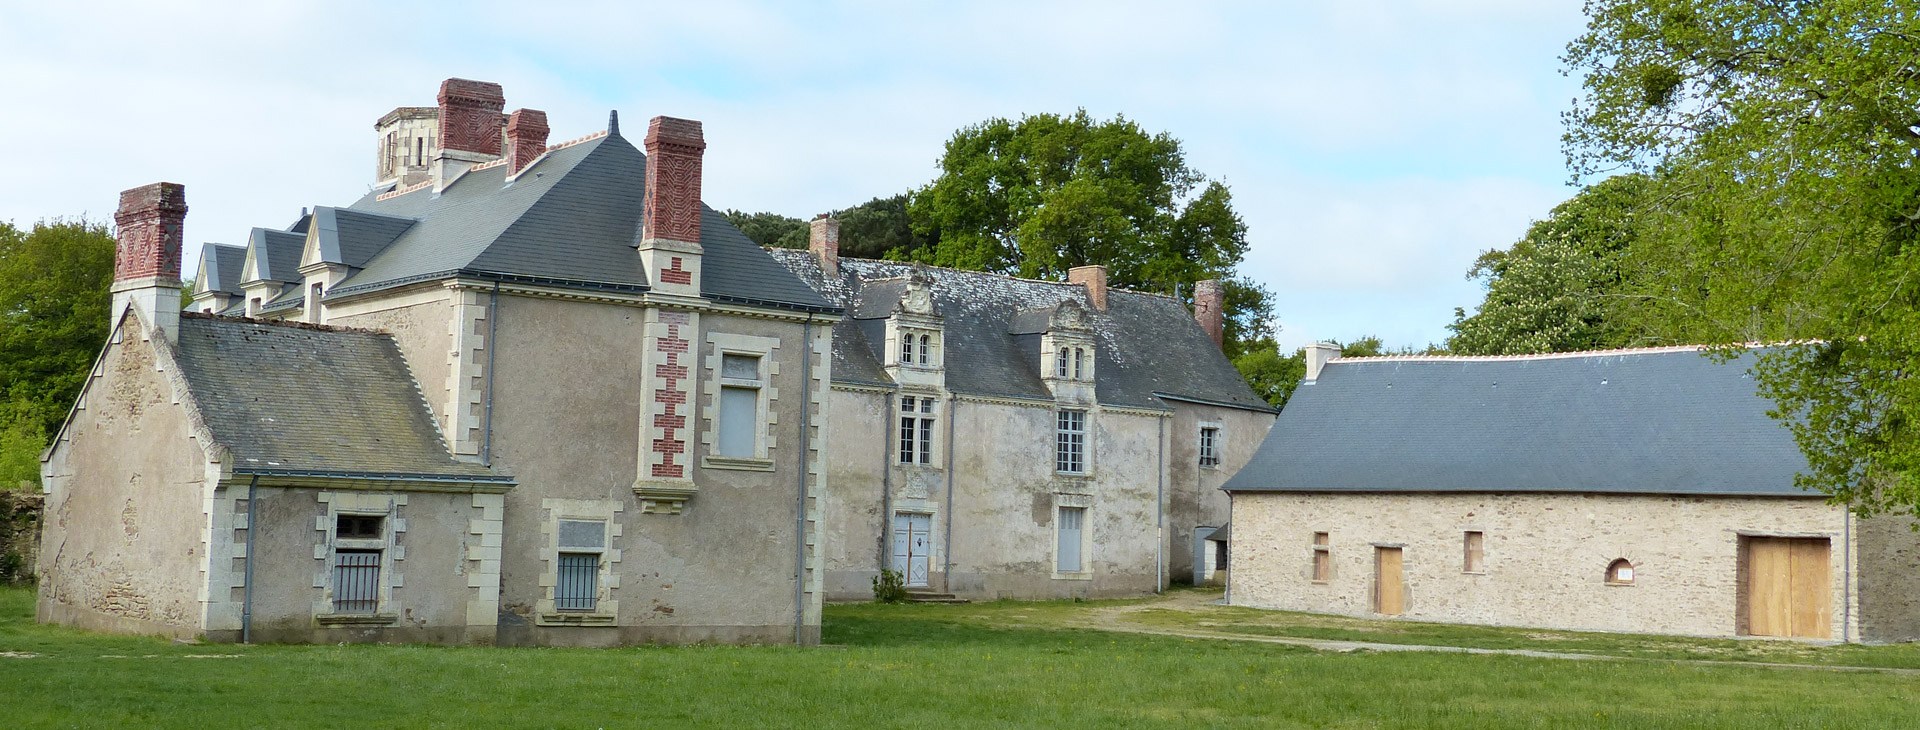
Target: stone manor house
{"type": "Point", "coordinates": [541, 394]}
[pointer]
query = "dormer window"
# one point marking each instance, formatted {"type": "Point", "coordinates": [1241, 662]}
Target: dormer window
{"type": "Point", "coordinates": [1079, 371]}
{"type": "Point", "coordinates": [926, 346]}
{"type": "Point", "coordinates": [1060, 364]}
{"type": "Point", "coordinates": [906, 349]}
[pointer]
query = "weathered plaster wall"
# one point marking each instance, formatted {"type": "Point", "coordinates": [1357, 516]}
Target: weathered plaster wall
{"type": "Point", "coordinates": [1888, 565]}
{"type": "Point", "coordinates": [1194, 497]}
{"type": "Point", "coordinates": [1546, 556]}
{"type": "Point", "coordinates": [123, 547]}
{"type": "Point", "coordinates": [567, 407]}
{"type": "Point", "coordinates": [854, 516]}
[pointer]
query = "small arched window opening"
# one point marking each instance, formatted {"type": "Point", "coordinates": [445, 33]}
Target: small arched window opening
{"type": "Point", "coordinates": [926, 346]}
{"type": "Point", "coordinates": [1620, 572]}
{"type": "Point", "coordinates": [906, 349]}
{"type": "Point", "coordinates": [1060, 364]}
{"type": "Point", "coordinates": [1078, 372]}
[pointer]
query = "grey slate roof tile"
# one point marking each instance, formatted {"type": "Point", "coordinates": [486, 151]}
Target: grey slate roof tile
{"type": "Point", "coordinates": [278, 254]}
{"type": "Point", "coordinates": [299, 398]}
{"type": "Point", "coordinates": [223, 266]}
{"type": "Point", "coordinates": [1644, 422]}
{"type": "Point", "coordinates": [354, 237]}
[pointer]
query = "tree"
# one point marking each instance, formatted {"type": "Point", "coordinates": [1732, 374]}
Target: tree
{"type": "Point", "coordinates": [771, 230]}
{"type": "Point", "coordinates": [1561, 288]}
{"type": "Point", "coordinates": [54, 296]}
{"type": "Point", "coordinates": [1274, 377]}
{"type": "Point", "coordinates": [1782, 141]}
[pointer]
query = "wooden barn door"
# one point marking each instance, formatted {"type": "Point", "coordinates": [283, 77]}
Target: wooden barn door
{"type": "Point", "coordinates": [1389, 594]}
{"type": "Point", "coordinates": [1789, 587]}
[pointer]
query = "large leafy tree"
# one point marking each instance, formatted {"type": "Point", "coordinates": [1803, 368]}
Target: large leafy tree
{"type": "Point", "coordinates": [54, 296]}
{"type": "Point", "coordinates": [1782, 139]}
{"type": "Point", "coordinates": [1563, 287]}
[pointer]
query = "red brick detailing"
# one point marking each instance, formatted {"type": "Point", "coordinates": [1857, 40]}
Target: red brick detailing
{"type": "Point", "coordinates": [1209, 307]}
{"type": "Point", "coordinates": [150, 220]}
{"type": "Point", "coordinates": [673, 274]}
{"type": "Point", "coordinates": [671, 395]}
{"type": "Point", "coordinates": [526, 138]}
{"type": "Point", "coordinates": [675, 148]}
{"type": "Point", "coordinates": [470, 116]}
{"type": "Point", "coordinates": [824, 241]}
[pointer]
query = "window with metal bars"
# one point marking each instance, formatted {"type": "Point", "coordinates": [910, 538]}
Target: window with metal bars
{"type": "Point", "coordinates": [916, 430]}
{"type": "Point", "coordinates": [578, 582]}
{"type": "Point", "coordinates": [1070, 442]}
{"type": "Point", "coordinates": [1209, 446]}
{"type": "Point", "coordinates": [356, 581]}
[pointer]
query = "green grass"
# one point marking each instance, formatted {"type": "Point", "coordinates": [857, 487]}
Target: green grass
{"type": "Point", "coordinates": [900, 666]}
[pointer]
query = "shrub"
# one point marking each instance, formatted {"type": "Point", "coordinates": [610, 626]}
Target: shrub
{"type": "Point", "coordinates": [889, 587]}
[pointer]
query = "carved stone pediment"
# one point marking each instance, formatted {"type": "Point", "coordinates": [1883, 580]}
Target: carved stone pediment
{"type": "Point", "coordinates": [918, 298]}
{"type": "Point", "coordinates": [1069, 315]}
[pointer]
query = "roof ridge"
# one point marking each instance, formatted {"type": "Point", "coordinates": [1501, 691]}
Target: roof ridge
{"type": "Point", "coordinates": [971, 271]}
{"type": "Point", "coordinates": [282, 323]}
{"type": "Point", "coordinates": [1560, 355]}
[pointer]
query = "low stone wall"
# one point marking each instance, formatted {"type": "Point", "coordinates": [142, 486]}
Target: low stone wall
{"type": "Point", "coordinates": [19, 535]}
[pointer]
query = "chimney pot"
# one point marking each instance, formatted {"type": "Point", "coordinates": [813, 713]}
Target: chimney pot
{"type": "Point", "coordinates": [1094, 278]}
{"type": "Point", "coordinates": [1209, 308]}
{"type": "Point", "coordinates": [824, 241]}
{"type": "Point", "coordinates": [526, 139]}
{"type": "Point", "coordinates": [1318, 354]}
{"type": "Point", "coordinates": [150, 227]}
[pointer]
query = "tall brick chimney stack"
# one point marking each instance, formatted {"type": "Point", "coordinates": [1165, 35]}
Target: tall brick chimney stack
{"type": "Point", "coordinates": [526, 139]}
{"type": "Point", "coordinates": [146, 269]}
{"type": "Point", "coordinates": [470, 121]}
{"type": "Point", "coordinates": [1095, 279]}
{"type": "Point", "coordinates": [670, 247]}
{"type": "Point", "coordinates": [1210, 308]}
{"type": "Point", "coordinates": [824, 241]}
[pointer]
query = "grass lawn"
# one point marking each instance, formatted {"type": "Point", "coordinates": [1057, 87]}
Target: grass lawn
{"type": "Point", "coordinates": [901, 666]}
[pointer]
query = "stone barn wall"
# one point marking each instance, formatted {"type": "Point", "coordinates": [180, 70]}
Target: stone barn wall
{"type": "Point", "coordinates": [20, 513]}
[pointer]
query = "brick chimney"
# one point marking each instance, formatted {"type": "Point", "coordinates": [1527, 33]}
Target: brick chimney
{"type": "Point", "coordinates": [670, 247]}
{"type": "Point", "coordinates": [146, 270]}
{"type": "Point", "coordinates": [1210, 308]}
{"type": "Point", "coordinates": [1095, 279]}
{"type": "Point", "coordinates": [526, 139]}
{"type": "Point", "coordinates": [824, 242]}
{"type": "Point", "coordinates": [470, 120]}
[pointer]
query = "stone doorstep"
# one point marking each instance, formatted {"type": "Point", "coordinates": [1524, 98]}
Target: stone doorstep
{"type": "Point", "coordinates": [930, 597]}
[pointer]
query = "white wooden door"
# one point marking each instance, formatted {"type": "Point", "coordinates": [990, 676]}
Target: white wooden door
{"type": "Point", "coordinates": [911, 546]}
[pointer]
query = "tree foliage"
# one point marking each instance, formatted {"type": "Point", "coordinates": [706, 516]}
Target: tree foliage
{"type": "Point", "coordinates": [771, 230]}
{"type": "Point", "coordinates": [1781, 141]}
{"type": "Point", "coordinates": [1564, 287]}
{"type": "Point", "coordinates": [54, 296]}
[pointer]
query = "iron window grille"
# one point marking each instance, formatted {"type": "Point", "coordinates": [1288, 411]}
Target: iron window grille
{"type": "Point", "coordinates": [916, 429]}
{"type": "Point", "coordinates": [1070, 443]}
{"type": "Point", "coordinates": [579, 582]}
{"type": "Point", "coordinates": [356, 581]}
{"type": "Point", "coordinates": [1209, 446]}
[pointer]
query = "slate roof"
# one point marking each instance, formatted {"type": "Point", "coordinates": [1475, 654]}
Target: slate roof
{"type": "Point", "coordinates": [282, 260]}
{"type": "Point", "coordinates": [1659, 421]}
{"type": "Point", "coordinates": [572, 219]}
{"type": "Point", "coordinates": [222, 266]}
{"type": "Point", "coordinates": [292, 398]}
{"type": "Point", "coordinates": [1149, 347]}
{"type": "Point", "coordinates": [353, 237]}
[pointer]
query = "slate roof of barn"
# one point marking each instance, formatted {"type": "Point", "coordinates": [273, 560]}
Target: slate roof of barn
{"type": "Point", "coordinates": [1149, 348]}
{"type": "Point", "coordinates": [1652, 421]}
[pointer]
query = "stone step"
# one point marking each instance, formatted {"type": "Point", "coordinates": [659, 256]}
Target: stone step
{"type": "Point", "coordinates": [929, 597]}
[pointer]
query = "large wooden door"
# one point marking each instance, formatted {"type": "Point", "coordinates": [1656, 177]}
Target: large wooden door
{"type": "Point", "coordinates": [1789, 587]}
{"type": "Point", "coordinates": [911, 548]}
{"type": "Point", "coordinates": [1389, 594]}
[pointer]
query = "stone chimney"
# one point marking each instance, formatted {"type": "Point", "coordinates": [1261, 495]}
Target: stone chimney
{"type": "Point", "coordinates": [146, 270]}
{"type": "Point", "coordinates": [1318, 354]}
{"type": "Point", "coordinates": [526, 139]}
{"type": "Point", "coordinates": [670, 247]}
{"type": "Point", "coordinates": [470, 121]}
{"type": "Point", "coordinates": [1095, 279]}
{"type": "Point", "coordinates": [1210, 309]}
{"type": "Point", "coordinates": [824, 242]}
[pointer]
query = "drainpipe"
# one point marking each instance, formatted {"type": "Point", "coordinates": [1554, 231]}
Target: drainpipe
{"type": "Point", "coordinates": [1160, 512]}
{"type": "Point", "coordinates": [253, 525]}
{"type": "Point", "coordinates": [886, 472]}
{"type": "Point", "coordinates": [946, 551]}
{"type": "Point", "coordinates": [800, 508]}
{"type": "Point", "coordinates": [493, 325]}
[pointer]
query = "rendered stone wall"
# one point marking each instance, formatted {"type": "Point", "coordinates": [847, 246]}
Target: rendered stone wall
{"type": "Point", "coordinates": [1194, 497]}
{"type": "Point", "coordinates": [1545, 556]}
{"type": "Point", "coordinates": [1888, 566]}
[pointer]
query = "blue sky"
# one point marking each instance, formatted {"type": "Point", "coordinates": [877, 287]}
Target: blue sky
{"type": "Point", "coordinates": [1374, 147]}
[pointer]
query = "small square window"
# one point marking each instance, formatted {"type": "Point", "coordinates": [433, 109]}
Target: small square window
{"type": "Point", "coordinates": [357, 527]}
{"type": "Point", "coordinates": [740, 367]}
{"type": "Point", "coordinates": [576, 588]}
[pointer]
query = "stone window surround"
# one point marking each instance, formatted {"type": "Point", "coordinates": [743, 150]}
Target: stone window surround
{"type": "Point", "coordinates": [1086, 441]}
{"type": "Point", "coordinates": [606, 608]}
{"type": "Point", "coordinates": [380, 504]}
{"type": "Point", "coordinates": [1050, 362]}
{"type": "Point", "coordinates": [895, 413]}
{"type": "Point", "coordinates": [1084, 502]}
{"type": "Point", "coordinates": [720, 344]}
{"type": "Point", "coordinates": [897, 334]}
{"type": "Point", "coordinates": [1465, 566]}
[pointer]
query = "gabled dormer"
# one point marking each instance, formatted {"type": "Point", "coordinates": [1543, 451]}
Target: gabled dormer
{"type": "Point", "coordinates": [216, 282]}
{"type": "Point", "coordinates": [1068, 352]}
{"type": "Point", "coordinates": [915, 347]}
{"type": "Point", "coordinates": [339, 242]}
{"type": "Point", "coordinates": [272, 265]}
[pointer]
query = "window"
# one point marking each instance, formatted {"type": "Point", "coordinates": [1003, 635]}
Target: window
{"type": "Point", "coordinates": [739, 426]}
{"type": "Point", "coordinates": [1067, 556]}
{"type": "Point", "coordinates": [1219, 554]}
{"type": "Point", "coordinates": [1475, 546]}
{"type": "Point", "coordinates": [1060, 364]}
{"type": "Point", "coordinates": [419, 150]}
{"type": "Point", "coordinates": [313, 305]}
{"type": "Point", "coordinates": [926, 347]}
{"type": "Point", "coordinates": [356, 562]}
{"type": "Point", "coordinates": [357, 527]}
{"type": "Point", "coordinates": [1070, 443]}
{"type": "Point", "coordinates": [1210, 446]}
{"type": "Point", "coordinates": [577, 584]}
{"type": "Point", "coordinates": [1620, 573]}
{"type": "Point", "coordinates": [916, 430]}
{"type": "Point", "coordinates": [906, 349]}
{"type": "Point", "coordinates": [1078, 371]}
{"type": "Point", "coordinates": [1322, 558]}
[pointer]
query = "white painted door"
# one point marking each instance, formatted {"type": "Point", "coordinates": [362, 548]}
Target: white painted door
{"type": "Point", "coordinates": [911, 546]}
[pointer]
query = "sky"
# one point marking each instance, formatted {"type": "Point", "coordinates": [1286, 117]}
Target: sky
{"type": "Point", "coordinates": [1374, 147]}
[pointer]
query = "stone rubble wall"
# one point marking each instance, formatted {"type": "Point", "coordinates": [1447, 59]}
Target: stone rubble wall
{"type": "Point", "coordinates": [20, 513]}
